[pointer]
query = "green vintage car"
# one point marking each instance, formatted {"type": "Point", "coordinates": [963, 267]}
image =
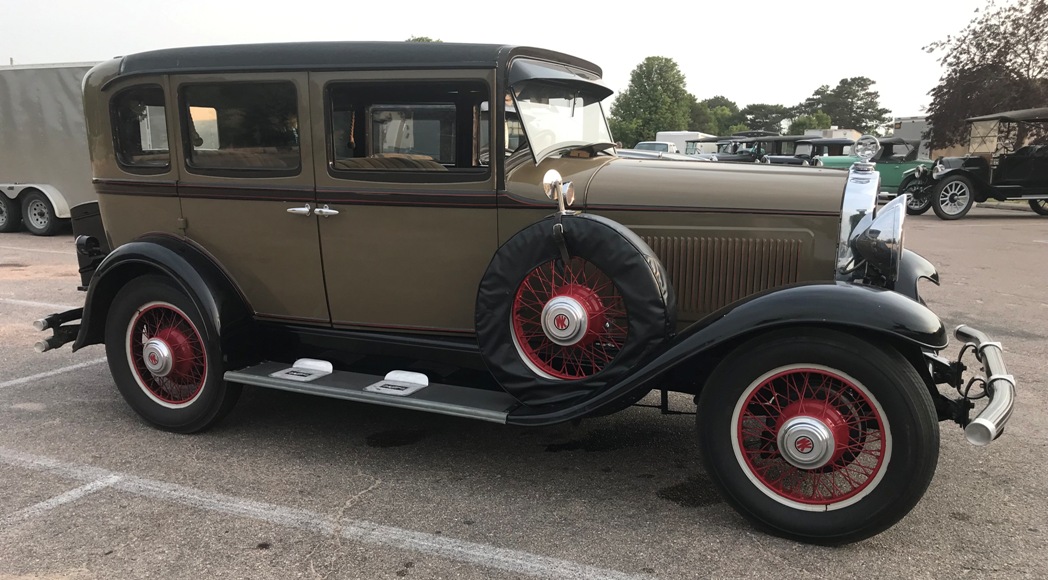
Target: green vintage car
{"type": "Point", "coordinates": [896, 157]}
{"type": "Point", "coordinates": [396, 224]}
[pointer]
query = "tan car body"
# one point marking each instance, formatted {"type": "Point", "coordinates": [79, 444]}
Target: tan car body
{"type": "Point", "coordinates": [722, 231]}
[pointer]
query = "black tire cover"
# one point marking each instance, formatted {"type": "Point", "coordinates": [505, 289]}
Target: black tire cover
{"type": "Point", "coordinates": [634, 268]}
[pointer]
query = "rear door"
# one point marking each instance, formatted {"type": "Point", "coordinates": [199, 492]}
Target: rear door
{"type": "Point", "coordinates": [247, 190]}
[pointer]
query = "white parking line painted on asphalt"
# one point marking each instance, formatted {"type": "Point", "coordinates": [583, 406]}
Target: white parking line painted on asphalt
{"type": "Point", "coordinates": [68, 253]}
{"type": "Point", "coordinates": [50, 504]}
{"type": "Point", "coordinates": [513, 561]}
{"type": "Point", "coordinates": [51, 373]}
{"type": "Point", "coordinates": [34, 303]}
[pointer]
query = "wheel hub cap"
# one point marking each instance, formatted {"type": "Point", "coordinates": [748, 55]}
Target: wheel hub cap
{"type": "Point", "coordinates": [564, 320]}
{"type": "Point", "coordinates": [157, 356]}
{"type": "Point", "coordinates": [806, 442]}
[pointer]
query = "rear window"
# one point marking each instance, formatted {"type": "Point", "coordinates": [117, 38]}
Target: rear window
{"type": "Point", "coordinates": [242, 127]}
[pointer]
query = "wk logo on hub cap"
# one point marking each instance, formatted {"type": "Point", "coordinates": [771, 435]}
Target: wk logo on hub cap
{"type": "Point", "coordinates": [561, 322]}
{"type": "Point", "coordinates": [153, 359]}
{"type": "Point", "coordinates": [804, 445]}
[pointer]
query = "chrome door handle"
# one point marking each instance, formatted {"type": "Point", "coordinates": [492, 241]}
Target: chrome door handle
{"type": "Point", "coordinates": [325, 211]}
{"type": "Point", "coordinates": [299, 210]}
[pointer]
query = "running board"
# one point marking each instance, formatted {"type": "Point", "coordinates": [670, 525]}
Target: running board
{"type": "Point", "coordinates": [466, 402]}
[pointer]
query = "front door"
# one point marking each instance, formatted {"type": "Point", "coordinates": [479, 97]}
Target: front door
{"type": "Point", "coordinates": [247, 190]}
{"type": "Point", "coordinates": [407, 183]}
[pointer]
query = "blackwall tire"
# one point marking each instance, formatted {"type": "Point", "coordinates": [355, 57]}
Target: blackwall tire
{"type": "Point", "coordinates": [38, 215]}
{"type": "Point", "coordinates": [10, 214]}
{"type": "Point", "coordinates": [953, 198]}
{"type": "Point", "coordinates": [1039, 206]}
{"type": "Point", "coordinates": [917, 204]}
{"type": "Point", "coordinates": [550, 334]}
{"type": "Point", "coordinates": [162, 360]}
{"type": "Point", "coordinates": [818, 436]}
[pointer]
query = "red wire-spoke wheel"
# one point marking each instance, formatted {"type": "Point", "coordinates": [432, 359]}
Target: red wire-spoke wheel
{"type": "Point", "coordinates": [569, 320]}
{"type": "Point", "coordinates": [166, 354]}
{"type": "Point", "coordinates": [811, 437]}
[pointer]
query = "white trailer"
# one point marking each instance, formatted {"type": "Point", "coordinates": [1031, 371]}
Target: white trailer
{"type": "Point", "coordinates": [679, 139]}
{"type": "Point", "coordinates": [44, 164]}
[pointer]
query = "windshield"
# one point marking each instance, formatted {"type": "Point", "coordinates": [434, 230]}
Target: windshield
{"type": "Point", "coordinates": [557, 116]}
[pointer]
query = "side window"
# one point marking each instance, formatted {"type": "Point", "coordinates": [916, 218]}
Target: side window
{"type": "Point", "coordinates": [434, 128]}
{"type": "Point", "coordinates": [140, 128]}
{"type": "Point", "coordinates": [241, 126]}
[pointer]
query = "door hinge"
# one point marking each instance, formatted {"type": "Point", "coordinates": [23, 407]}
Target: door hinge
{"type": "Point", "coordinates": [182, 224]}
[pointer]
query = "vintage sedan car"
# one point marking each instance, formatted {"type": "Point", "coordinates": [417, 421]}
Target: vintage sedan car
{"type": "Point", "coordinates": [1007, 160]}
{"type": "Point", "coordinates": [318, 218]}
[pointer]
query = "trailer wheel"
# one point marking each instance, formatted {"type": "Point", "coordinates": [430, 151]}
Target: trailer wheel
{"type": "Point", "coordinates": [10, 214]}
{"type": "Point", "coordinates": [38, 214]}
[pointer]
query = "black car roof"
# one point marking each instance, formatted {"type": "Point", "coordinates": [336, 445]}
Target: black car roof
{"type": "Point", "coordinates": [898, 141]}
{"type": "Point", "coordinates": [828, 141]}
{"type": "Point", "coordinates": [334, 55]}
{"type": "Point", "coordinates": [1034, 115]}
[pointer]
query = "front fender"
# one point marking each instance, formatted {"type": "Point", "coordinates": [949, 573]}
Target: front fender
{"type": "Point", "coordinates": [842, 305]}
{"type": "Point", "coordinates": [214, 295]}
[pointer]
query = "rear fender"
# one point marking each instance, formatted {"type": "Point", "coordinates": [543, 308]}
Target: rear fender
{"type": "Point", "coordinates": [866, 310]}
{"type": "Point", "coordinates": [214, 295]}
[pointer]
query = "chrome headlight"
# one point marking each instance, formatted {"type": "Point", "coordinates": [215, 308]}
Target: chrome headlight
{"type": "Point", "coordinates": [817, 162]}
{"type": "Point", "coordinates": [880, 242]}
{"type": "Point", "coordinates": [937, 170]}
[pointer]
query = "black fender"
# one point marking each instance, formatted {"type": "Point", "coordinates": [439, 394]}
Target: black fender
{"type": "Point", "coordinates": [846, 306]}
{"type": "Point", "coordinates": [214, 295]}
{"type": "Point", "coordinates": [912, 269]}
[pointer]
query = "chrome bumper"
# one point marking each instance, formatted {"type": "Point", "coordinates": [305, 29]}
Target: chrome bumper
{"type": "Point", "coordinates": [1000, 388]}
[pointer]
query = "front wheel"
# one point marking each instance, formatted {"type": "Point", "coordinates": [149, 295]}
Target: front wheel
{"type": "Point", "coordinates": [1040, 206]}
{"type": "Point", "coordinates": [165, 357]}
{"type": "Point", "coordinates": [818, 436]}
{"type": "Point", "coordinates": [920, 200]}
{"type": "Point", "coordinates": [953, 198]}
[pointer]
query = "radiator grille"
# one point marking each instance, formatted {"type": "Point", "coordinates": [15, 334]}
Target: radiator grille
{"type": "Point", "coordinates": [710, 272]}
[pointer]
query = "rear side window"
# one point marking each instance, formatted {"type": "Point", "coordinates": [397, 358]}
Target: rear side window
{"type": "Point", "coordinates": [242, 127]}
{"type": "Point", "coordinates": [140, 129]}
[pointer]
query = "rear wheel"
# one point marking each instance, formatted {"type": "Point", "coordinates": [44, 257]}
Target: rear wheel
{"type": "Point", "coordinates": [1040, 206]}
{"type": "Point", "coordinates": [953, 198]}
{"type": "Point", "coordinates": [38, 214]}
{"type": "Point", "coordinates": [818, 436]}
{"type": "Point", "coordinates": [10, 214]}
{"type": "Point", "coordinates": [164, 357]}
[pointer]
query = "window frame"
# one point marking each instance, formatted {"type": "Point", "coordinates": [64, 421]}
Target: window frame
{"type": "Point", "coordinates": [478, 174]}
{"type": "Point", "coordinates": [235, 172]}
{"type": "Point", "coordinates": [118, 153]}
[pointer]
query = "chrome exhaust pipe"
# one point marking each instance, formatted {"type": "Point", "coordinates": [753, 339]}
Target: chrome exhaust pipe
{"type": "Point", "coordinates": [1000, 388]}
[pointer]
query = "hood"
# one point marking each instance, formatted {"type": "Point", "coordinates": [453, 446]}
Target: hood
{"type": "Point", "coordinates": [760, 188]}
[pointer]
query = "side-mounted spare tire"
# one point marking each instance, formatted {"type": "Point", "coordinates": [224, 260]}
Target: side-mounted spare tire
{"type": "Point", "coordinates": [549, 331]}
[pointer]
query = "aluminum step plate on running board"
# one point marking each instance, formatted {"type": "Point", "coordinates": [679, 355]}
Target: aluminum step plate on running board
{"type": "Point", "coordinates": [389, 391]}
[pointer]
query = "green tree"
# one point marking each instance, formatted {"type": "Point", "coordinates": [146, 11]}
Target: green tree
{"type": "Point", "coordinates": [422, 39]}
{"type": "Point", "coordinates": [998, 62]}
{"type": "Point", "coordinates": [765, 117]}
{"type": "Point", "coordinates": [655, 100]}
{"type": "Point", "coordinates": [701, 118]}
{"type": "Point", "coordinates": [802, 123]}
{"type": "Point", "coordinates": [852, 104]}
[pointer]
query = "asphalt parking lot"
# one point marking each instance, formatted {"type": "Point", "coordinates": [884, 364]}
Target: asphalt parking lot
{"type": "Point", "coordinates": [290, 486]}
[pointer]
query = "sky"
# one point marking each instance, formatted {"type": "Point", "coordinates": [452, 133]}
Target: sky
{"type": "Point", "coordinates": [751, 51]}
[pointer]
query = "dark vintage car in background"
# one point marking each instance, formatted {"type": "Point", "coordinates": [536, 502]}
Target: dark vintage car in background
{"type": "Point", "coordinates": [335, 219]}
{"type": "Point", "coordinates": [1007, 160]}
